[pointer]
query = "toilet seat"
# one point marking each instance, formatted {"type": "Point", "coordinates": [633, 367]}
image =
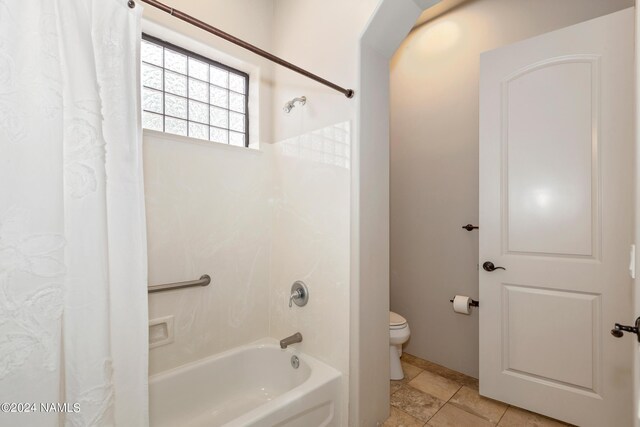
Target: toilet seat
{"type": "Point", "coordinates": [396, 321]}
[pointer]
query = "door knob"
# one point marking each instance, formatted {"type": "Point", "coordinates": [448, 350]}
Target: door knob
{"type": "Point", "coordinates": [619, 330]}
{"type": "Point", "coordinates": [488, 266]}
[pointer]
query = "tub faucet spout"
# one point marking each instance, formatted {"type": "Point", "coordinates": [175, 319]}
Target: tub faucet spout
{"type": "Point", "coordinates": [297, 337]}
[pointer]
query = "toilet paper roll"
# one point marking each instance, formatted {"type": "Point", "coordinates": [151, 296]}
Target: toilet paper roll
{"type": "Point", "coordinates": [461, 304]}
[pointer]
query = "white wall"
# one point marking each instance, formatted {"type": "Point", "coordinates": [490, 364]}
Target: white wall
{"type": "Point", "coordinates": [321, 36]}
{"type": "Point", "coordinates": [370, 213]}
{"type": "Point", "coordinates": [434, 162]}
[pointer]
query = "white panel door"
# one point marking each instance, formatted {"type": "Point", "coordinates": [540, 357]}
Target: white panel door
{"type": "Point", "coordinates": [556, 211]}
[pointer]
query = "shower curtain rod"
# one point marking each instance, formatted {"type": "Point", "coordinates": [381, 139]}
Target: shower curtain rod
{"type": "Point", "coordinates": [243, 44]}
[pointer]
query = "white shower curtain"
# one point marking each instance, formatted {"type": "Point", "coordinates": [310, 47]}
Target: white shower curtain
{"type": "Point", "coordinates": [73, 300]}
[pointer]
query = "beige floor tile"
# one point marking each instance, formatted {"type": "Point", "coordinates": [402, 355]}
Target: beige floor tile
{"type": "Point", "coordinates": [470, 401]}
{"type": "Point", "coordinates": [435, 385]}
{"type": "Point", "coordinates": [516, 417]}
{"type": "Point", "coordinates": [410, 371]}
{"type": "Point", "coordinates": [416, 403]}
{"type": "Point", "coordinates": [451, 416]}
{"type": "Point", "coordinates": [395, 386]}
{"type": "Point", "coordinates": [401, 419]}
{"type": "Point", "coordinates": [450, 374]}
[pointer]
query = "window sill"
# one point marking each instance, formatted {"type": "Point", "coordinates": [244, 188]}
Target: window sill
{"type": "Point", "coordinates": [150, 135]}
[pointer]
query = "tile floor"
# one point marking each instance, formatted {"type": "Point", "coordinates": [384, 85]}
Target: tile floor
{"type": "Point", "coordinates": [432, 395]}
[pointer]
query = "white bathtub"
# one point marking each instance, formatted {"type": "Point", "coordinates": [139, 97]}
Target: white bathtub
{"type": "Point", "coordinates": [253, 385]}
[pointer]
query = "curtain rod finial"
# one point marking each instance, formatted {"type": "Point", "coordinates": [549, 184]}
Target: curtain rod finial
{"type": "Point", "coordinates": [131, 4]}
{"type": "Point", "coordinates": [350, 93]}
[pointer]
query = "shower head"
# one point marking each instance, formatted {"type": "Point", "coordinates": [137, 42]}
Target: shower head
{"type": "Point", "coordinates": [290, 104]}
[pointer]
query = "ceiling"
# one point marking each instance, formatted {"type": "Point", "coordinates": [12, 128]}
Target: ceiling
{"type": "Point", "coordinates": [439, 9]}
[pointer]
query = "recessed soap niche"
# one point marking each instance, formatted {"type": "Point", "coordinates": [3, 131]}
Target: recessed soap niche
{"type": "Point", "coordinates": [160, 331]}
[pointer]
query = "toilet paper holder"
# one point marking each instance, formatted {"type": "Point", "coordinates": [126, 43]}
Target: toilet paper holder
{"type": "Point", "coordinates": [472, 303]}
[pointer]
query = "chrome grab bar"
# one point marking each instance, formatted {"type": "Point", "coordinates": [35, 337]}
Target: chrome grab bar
{"type": "Point", "coordinates": [204, 280]}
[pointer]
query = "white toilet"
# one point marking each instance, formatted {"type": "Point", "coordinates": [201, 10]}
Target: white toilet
{"type": "Point", "coordinates": [398, 334]}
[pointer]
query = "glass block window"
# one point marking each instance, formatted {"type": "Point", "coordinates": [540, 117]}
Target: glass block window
{"type": "Point", "coordinates": [184, 93]}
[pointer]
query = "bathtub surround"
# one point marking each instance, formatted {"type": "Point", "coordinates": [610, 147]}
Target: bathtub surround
{"type": "Point", "coordinates": [73, 312]}
{"type": "Point", "coordinates": [434, 162]}
{"type": "Point", "coordinates": [311, 241]}
{"type": "Point", "coordinates": [209, 212]}
{"type": "Point", "coordinates": [284, 218]}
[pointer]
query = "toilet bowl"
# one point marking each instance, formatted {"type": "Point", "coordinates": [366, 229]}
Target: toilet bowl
{"type": "Point", "coordinates": [398, 334]}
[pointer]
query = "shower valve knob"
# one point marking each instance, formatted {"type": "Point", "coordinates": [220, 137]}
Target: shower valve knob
{"type": "Point", "coordinates": [299, 294]}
